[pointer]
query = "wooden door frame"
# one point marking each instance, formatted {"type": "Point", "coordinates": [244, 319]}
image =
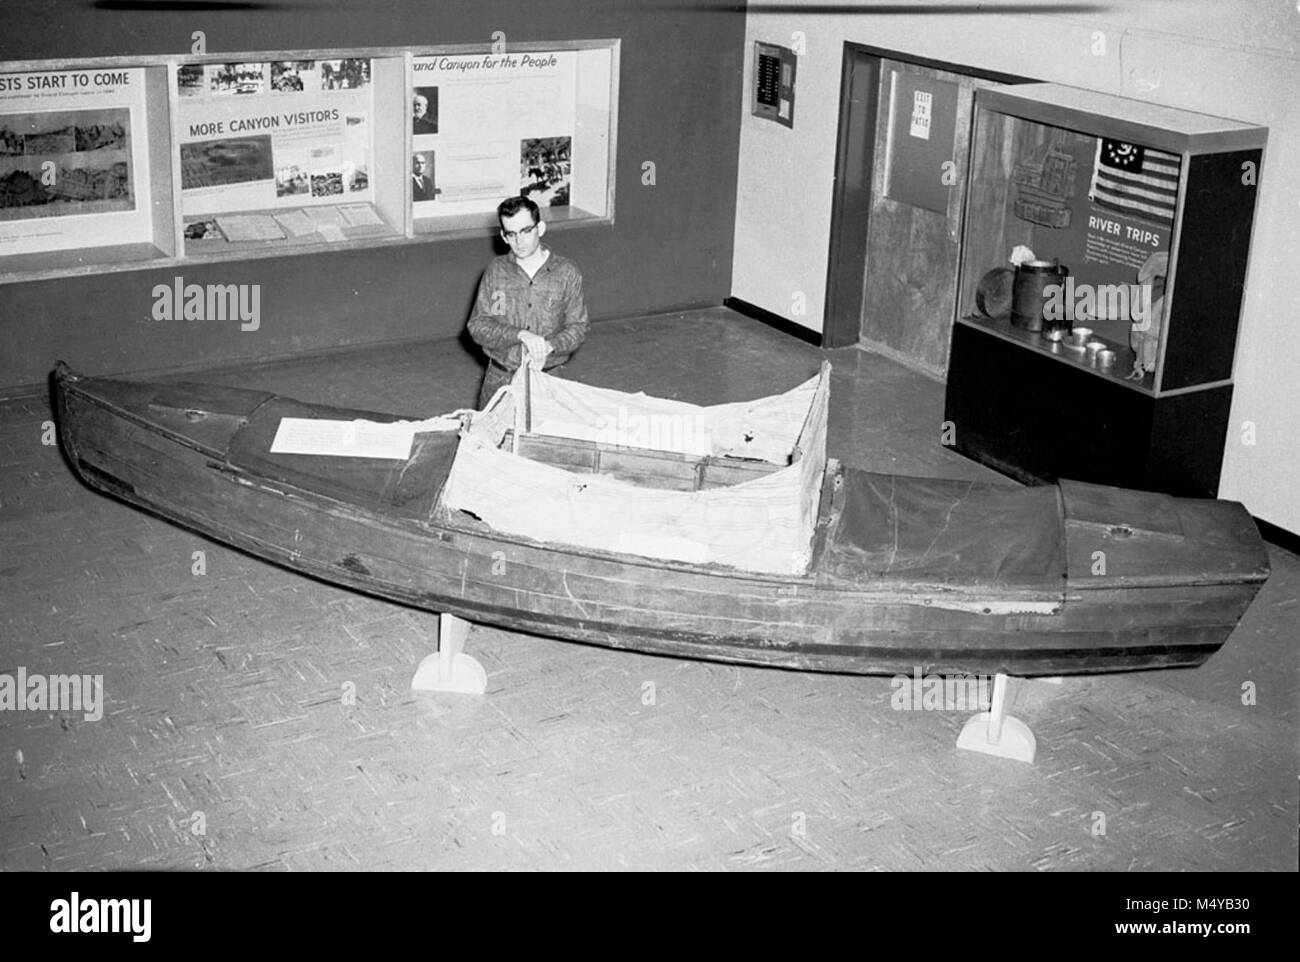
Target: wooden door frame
{"type": "Point", "coordinates": [848, 233]}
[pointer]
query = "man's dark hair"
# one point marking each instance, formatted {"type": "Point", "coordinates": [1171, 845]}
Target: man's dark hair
{"type": "Point", "coordinates": [513, 205]}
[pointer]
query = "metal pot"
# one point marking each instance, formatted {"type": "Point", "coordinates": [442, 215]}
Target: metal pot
{"type": "Point", "coordinates": [1028, 297]}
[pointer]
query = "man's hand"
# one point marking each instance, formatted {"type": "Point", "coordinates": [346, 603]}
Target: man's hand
{"type": "Point", "coordinates": [536, 349]}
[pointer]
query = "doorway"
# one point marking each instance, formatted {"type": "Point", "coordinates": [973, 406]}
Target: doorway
{"type": "Point", "coordinates": [899, 198]}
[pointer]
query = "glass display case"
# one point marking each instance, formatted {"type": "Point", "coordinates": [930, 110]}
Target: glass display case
{"type": "Point", "coordinates": [1103, 268]}
{"type": "Point", "coordinates": [276, 154]}
{"type": "Point", "coordinates": [79, 159]}
{"type": "Point", "coordinates": [112, 164]}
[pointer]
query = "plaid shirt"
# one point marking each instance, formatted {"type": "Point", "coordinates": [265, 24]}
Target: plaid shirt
{"type": "Point", "coordinates": [549, 303]}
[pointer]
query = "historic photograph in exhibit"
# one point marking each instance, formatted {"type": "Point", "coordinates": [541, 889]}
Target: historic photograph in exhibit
{"type": "Point", "coordinates": [73, 160]}
{"type": "Point", "coordinates": [294, 76]}
{"type": "Point", "coordinates": [237, 78]}
{"type": "Point", "coordinates": [65, 162]}
{"type": "Point", "coordinates": [424, 111]}
{"type": "Point", "coordinates": [352, 73]}
{"type": "Point", "coordinates": [216, 163]}
{"type": "Point", "coordinates": [545, 169]}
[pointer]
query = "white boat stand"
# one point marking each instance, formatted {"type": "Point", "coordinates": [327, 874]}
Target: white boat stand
{"type": "Point", "coordinates": [994, 732]}
{"type": "Point", "coordinates": [449, 668]}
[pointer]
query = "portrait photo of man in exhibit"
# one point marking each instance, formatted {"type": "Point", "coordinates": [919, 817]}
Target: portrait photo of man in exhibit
{"type": "Point", "coordinates": [424, 111]}
{"type": "Point", "coordinates": [422, 185]}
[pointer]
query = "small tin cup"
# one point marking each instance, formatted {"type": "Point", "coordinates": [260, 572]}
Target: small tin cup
{"type": "Point", "coordinates": [1080, 336]}
{"type": "Point", "coordinates": [1106, 359]}
{"type": "Point", "coordinates": [1095, 348]}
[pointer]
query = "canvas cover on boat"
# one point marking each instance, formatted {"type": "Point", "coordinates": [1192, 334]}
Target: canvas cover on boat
{"type": "Point", "coordinates": [765, 524]}
{"type": "Point", "coordinates": [958, 535]}
{"type": "Point", "coordinates": [765, 429]}
{"type": "Point", "coordinates": [405, 487]}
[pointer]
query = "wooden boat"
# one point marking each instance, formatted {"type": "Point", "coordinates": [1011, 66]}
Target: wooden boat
{"type": "Point", "coordinates": [894, 574]}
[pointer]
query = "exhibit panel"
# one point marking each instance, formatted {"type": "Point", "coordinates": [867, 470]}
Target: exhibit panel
{"type": "Point", "coordinates": [122, 164]}
{"type": "Point", "coordinates": [79, 161]}
{"type": "Point", "coordinates": [534, 121]}
{"type": "Point", "coordinates": [1103, 270]}
{"type": "Point", "coordinates": [280, 152]}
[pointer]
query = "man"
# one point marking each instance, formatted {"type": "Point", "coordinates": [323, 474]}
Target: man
{"type": "Point", "coordinates": [421, 183]}
{"type": "Point", "coordinates": [530, 296]}
{"type": "Point", "coordinates": [421, 122]}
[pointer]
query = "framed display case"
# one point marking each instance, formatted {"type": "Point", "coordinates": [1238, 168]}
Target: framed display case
{"type": "Point", "coordinates": [129, 163]}
{"type": "Point", "coordinates": [536, 121]}
{"type": "Point", "coordinates": [276, 154]}
{"type": "Point", "coordinates": [1103, 268]}
{"type": "Point", "coordinates": [80, 166]}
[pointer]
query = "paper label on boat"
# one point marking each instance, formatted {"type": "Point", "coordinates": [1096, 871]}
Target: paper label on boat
{"type": "Point", "coordinates": [344, 439]}
{"type": "Point", "coordinates": [355, 439]}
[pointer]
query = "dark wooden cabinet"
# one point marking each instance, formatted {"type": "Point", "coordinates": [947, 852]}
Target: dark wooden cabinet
{"type": "Point", "coordinates": [1150, 211]}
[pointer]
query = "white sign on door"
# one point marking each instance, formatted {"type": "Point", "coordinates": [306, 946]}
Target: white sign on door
{"type": "Point", "coordinates": [921, 101]}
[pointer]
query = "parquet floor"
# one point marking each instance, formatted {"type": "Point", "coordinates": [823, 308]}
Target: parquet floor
{"type": "Point", "coordinates": [227, 741]}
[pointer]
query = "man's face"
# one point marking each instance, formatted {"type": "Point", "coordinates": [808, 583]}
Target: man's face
{"type": "Point", "coordinates": [523, 236]}
{"type": "Point", "coordinates": [420, 106]}
{"type": "Point", "coordinates": [418, 164]}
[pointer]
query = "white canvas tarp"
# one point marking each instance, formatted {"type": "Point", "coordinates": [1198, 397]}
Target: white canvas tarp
{"type": "Point", "coordinates": [762, 525]}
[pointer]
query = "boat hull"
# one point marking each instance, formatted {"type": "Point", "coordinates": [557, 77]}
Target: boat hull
{"type": "Point", "coordinates": [152, 447]}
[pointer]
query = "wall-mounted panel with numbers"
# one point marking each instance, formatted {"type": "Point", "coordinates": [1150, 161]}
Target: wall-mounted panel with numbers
{"type": "Point", "coordinates": [131, 163]}
{"type": "Point", "coordinates": [1103, 269]}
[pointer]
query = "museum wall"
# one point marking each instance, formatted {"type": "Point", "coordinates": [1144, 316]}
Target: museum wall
{"type": "Point", "coordinates": [670, 245]}
{"type": "Point", "coordinates": [1235, 59]}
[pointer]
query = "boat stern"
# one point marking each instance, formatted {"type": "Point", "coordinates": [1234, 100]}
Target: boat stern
{"type": "Point", "coordinates": [1117, 536]}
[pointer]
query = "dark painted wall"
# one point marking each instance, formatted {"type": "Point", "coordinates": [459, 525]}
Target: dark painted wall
{"type": "Point", "coordinates": [671, 245]}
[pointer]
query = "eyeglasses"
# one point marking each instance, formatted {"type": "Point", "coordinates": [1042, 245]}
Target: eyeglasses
{"type": "Point", "coordinates": [512, 234]}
